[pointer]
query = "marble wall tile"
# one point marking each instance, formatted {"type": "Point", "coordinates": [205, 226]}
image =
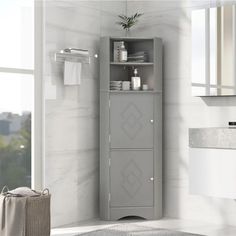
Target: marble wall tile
{"type": "Point", "coordinates": [72, 178]}
{"type": "Point", "coordinates": [110, 11]}
{"type": "Point", "coordinates": [71, 112]}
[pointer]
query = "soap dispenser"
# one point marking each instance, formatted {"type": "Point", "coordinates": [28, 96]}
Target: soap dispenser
{"type": "Point", "coordinates": [135, 80]}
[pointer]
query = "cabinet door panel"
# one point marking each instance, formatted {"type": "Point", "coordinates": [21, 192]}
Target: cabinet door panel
{"type": "Point", "coordinates": [131, 120]}
{"type": "Point", "coordinates": [131, 180]}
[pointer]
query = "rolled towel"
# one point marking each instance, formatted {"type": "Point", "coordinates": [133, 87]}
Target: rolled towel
{"type": "Point", "coordinates": [23, 192]}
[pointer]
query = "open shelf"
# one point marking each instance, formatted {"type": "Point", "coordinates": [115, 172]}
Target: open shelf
{"type": "Point", "coordinates": [133, 46]}
{"type": "Point", "coordinates": [125, 72]}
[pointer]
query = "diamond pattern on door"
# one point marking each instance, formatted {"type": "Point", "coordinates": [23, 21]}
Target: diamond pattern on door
{"type": "Point", "coordinates": [131, 124]}
{"type": "Point", "coordinates": [130, 172]}
{"type": "Point", "coordinates": [132, 178]}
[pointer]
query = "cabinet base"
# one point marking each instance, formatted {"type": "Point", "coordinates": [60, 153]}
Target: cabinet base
{"type": "Point", "coordinates": [144, 212]}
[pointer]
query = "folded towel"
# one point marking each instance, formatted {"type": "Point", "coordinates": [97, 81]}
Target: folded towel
{"type": "Point", "coordinates": [72, 73]}
{"type": "Point", "coordinates": [12, 216]}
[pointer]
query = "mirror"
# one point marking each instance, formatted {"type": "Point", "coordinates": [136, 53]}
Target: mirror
{"type": "Point", "coordinates": [213, 51]}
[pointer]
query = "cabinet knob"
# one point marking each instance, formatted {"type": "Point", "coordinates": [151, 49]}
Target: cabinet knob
{"type": "Point", "coordinates": [151, 179]}
{"type": "Point", "coordinates": [151, 121]}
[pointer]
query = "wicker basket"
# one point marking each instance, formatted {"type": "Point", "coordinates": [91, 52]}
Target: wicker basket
{"type": "Point", "coordinates": [37, 216]}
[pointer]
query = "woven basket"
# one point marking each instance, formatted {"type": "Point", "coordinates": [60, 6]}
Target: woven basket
{"type": "Point", "coordinates": [37, 216]}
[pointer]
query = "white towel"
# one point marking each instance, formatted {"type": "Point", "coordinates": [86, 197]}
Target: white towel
{"type": "Point", "coordinates": [72, 73]}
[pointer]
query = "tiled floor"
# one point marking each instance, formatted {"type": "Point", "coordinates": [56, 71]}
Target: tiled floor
{"type": "Point", "coordinates": [174, 224]}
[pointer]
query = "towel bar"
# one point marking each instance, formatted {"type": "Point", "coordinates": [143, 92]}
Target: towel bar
{"type": "Point", "coordinates": [73, 54]}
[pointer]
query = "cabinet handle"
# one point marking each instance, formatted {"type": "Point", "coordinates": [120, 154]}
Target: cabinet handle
{"type": "Point", "coordinates": [151, 179]}
{"type": "Point", "coordinates": [151, 121]}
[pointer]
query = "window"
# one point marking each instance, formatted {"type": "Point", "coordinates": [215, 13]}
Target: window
{"type": "Point", "coordinates": [16, 92]}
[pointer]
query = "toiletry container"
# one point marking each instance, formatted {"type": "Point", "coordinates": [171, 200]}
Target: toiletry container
{"type": "Point", "coordinates": [123, 53]}
{"type": "Point", "coordinates": [135, 80]}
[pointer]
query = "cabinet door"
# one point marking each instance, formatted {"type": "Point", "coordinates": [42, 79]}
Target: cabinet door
{"type": "Point", "coordinates": [131, 178]}
{"type": "Point", "coordinates": [131, 120]}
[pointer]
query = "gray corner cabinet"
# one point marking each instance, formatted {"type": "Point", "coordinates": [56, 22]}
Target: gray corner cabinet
{"type": "Point", "coordinates": [131, 133]}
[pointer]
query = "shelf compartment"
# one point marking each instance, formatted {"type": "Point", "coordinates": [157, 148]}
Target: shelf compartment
{"type": "Point", "coordinates": [134, 46]}
{"type": "Point", "coordinates": [124, 73]}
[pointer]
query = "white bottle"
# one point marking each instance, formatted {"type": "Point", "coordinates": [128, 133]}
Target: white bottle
{"type": "Point", "coordinates": [122, 53]}
{"type": "Point", "coordinates": [136, 80]}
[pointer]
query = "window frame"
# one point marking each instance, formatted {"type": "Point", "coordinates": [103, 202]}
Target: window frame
{"type": "Point", "coordinates": [38, 166]}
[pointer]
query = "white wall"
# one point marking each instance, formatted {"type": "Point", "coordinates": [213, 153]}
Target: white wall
{"type": "Point", "coordinates": [71, 112]}
{"type": "Point", "coordinates": [171, 20]}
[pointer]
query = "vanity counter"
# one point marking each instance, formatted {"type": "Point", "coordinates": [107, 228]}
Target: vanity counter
{"type": "Point", "coordinates": [222, 138]}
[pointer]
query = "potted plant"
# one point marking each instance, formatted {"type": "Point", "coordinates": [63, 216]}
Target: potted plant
{"type": "Point", "coordinates": [126, 22]}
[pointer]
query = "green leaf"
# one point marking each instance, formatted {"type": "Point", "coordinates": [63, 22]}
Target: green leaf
{"type": "Point", "coordinates": [127, 22]}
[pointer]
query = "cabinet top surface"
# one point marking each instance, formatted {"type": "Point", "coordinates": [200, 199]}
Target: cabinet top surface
{"type": "Point", "coordinates": [133, 38]}
{"type": "Point", "coordinates": [131, 91]}
{"type": "Point", "coordinates": [132, 63]}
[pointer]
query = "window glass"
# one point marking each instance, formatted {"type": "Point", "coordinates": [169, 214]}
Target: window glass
{"type": "Point", "coordinates": [16, 91]}
{"type": "Point", "coordinates": [198, 46]}
{"type": "Point", "coordinates": [16, 105]}
{"type": "Point", "coordinates": [17, 33]}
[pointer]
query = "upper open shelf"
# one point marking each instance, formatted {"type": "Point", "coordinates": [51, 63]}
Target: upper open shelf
{"type": "Point", "coordinates": [133, 46]}
{"type": "Point", "coordinates": [149, 68]}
